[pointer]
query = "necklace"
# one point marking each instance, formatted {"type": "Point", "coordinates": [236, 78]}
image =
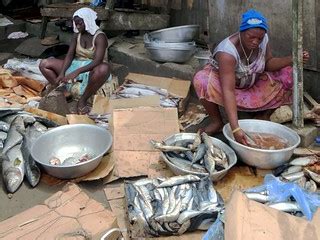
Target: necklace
{"type": "Point", "coordinates": [245, 54]}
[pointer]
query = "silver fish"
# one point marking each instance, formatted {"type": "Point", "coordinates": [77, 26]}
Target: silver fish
{"type": "Point", "coordinates": [186, 215]}
{"type": "Point", "coordinates": [257, 197]}
{"type": "Point", "coordinates": [13, 168]}
{"type": "Point", "coordinates": [196, 142]}
{"type": "Point", "coordinates": [286, 206]}
{"type": "Point", "coordinates": [209, 162]}
{"type": "Point", "coordinates": [4, 126]}
{"type": "Point", "coordinates": [315, 177]}
{"type": "Point", "coordinates": [293, 176]}
{"type": "Point", "coordinates": [177, 180]}
{"type": "Point", "coordinates": [14, 137]}
{"type": "Point", "coordinates": [310, 186]}
{"type": "Point", "coordinates": [32, 171]}
{"type": "Point", "coordinates": [137, 91]}
{"type": "Point", "coordinates": [199, 153]}
{"type": "Point", "coordinates": [160, 91]}
{"type": "Point", "coordinates": [3, 136]}
{"type": "Point", "coordinates": [304, 161]}
{"type": "Point", "coordinates": [184, 227]}
{"type": "Point", "coordinates": [292, 169]}
{"type": "Point", "coordinates": [166, 148]}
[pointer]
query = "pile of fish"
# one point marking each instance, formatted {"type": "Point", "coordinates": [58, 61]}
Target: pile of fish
{"type": "Point", "coordinates": [134, 90]}
{"type": "Point", "coordinates": [101, 120]}
{"type": "Point", "coordinates": [18, 131]}
{"type": "Point", "coordinates": [172, 206]}
{"type": "Point", "coordinates": [75, 159]}
{"type": "Point", "coordinates": [305, 171]}
{"type": "Point", "coordinates": [198, 155]}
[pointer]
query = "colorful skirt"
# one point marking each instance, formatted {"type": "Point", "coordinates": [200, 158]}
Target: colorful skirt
{"type": "Point", "coordinates": [271, 89]}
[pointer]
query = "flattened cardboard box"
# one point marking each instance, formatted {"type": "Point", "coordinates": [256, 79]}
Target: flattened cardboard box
{"type": "Point", "coordinates": [250, 220]}
{"type": "Point", "coordinates": [132, 131]}
{"type": "Point", "coordinates": [176, 87]}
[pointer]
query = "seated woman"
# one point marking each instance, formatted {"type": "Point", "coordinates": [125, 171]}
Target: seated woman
{"type": "Point", "coordinates": [243, 75]}
{"type": "Point", "coordinates": [86, 60]}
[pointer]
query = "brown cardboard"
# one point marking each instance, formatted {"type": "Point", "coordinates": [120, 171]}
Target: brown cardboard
{"type": "Point", "coordinates": [49, 115]}
{"type": "Point", "coordinates": [237, 178]}
{"type": "Point", "coordinates": [79, 119]}
{"type": "Point", "coordinates": [132, 131]}
{"type": "Point", "coordinates": [103, 105]}
{"type": "Point", "coordinates": [250, 220]}
{"type": "Point", "coordinates": [176, 87]}
{"type": "Point", "coordinates": [68, 214]}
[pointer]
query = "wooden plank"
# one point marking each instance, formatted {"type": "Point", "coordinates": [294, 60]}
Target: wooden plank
{"type": "Point", "coordinates": [297, 30]}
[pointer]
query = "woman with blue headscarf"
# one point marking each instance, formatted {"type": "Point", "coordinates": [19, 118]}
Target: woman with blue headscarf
{"type": "Point", "coordinates": [243, 75]}
{"type": "Point", "coordinates": [86, 61]}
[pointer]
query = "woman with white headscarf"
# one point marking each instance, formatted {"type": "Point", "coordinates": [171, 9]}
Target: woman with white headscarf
{"type": "Point", "coordinates": [85, 62]}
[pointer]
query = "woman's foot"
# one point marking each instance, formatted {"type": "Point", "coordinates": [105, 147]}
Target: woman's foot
{"type": "Point", "coordinates": [212, 128]}
{"type": "Point", "coordinates": [83, 108]}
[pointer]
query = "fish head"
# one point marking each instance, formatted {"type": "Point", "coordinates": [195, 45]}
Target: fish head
{"type": "Point", "coordinates": [13, 179]}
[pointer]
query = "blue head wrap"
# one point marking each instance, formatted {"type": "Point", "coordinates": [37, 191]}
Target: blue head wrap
{"type": "Point", "coordinates": [253, 19]}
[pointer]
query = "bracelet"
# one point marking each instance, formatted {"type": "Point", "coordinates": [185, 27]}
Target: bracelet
{"type": "Point", "coordinates": [236, 130]}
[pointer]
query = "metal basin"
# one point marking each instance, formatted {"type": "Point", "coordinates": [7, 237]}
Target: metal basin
{"type": "Point", "coordinates": [62, 142]}
{"type": "Point", "coordinates": [232, 158]}
{"type": "Point", "coordinates": [203, 57]}
{"type": "Point", "coordinates": [185, 33]}
{"type": "Point", "coordinates": [170, 52]}
{"type": "Point", "coordinates": [262, 158]}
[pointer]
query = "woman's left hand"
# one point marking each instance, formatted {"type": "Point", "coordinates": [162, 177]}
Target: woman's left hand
{"type": "Point", "coordinates": [71, 76]}
{"type": "Point", "coordinates": [305, 56]}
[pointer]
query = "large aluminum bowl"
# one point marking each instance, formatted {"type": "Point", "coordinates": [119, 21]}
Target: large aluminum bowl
{"type": "Point", "coordinates": [170, 52]}
{"type": "Point", "coordinates": [262, 158]}
{"type": "Point", "coordinates": [185, 33]}
{"type": "Point", "coordinates": [63, 141]}
{"type": "Point", "coordinates": [232, 158]}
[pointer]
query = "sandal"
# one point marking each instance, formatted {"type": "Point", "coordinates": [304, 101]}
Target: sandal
{"type": "Point", "coordinates": [84, 110]}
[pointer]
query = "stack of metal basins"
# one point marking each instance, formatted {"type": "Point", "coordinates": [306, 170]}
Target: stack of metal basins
{"type": "Point", "coordinates": [174, 44]}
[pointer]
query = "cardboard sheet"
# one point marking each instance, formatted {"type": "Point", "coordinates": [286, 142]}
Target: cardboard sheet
{"type": "Point", "coordinates": [238, 178]}
{"type": "Point", "coordinates": [103, 105]}
{"type": "Point", "coordinates": [68, 214]}
{"type": "Point", "coordinates": [176, 87]}
{"type": "Point", "coordinates": [249, 220]}
{"type": "Point", "coordinates": [132, 131]}
{"type": "Point", "coordinates": [79, 119]}
{"type": "Point", "coordinates": [49, 115]}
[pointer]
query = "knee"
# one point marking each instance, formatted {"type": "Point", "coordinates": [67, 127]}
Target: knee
{"type": "Point", "coordinates": [102, 69]}
{"type": "Point", "coordinates": [43, 64]}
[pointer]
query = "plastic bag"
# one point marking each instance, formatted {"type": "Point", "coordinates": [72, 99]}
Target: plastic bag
{"type": "Point", "coordinates": [279, 191]}
{"type": "Point", "coordinates": [216, 230]}
{"type": "Point", "coordinates": [97, 3]}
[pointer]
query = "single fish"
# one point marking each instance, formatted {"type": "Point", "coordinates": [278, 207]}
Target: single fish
{"type": "Point", "coordinates": [14, 137]}
{"type": "Point", "coordinates": [304, 161]}
{"type": "Point", "coordinates": [160, 91]}
{"type": "Point", "coordinates": [315, 177]}
{"type": "Point", "coordinates": [187, 215]}
{"type": "Point", "coordinates": [13, 168]}
{"type": "Point", "coordinates": [292, 169]}
{"type": "Point", "coordinates": [293, 176]}
{"type": "Point", "coordinates": [199, 153]}
{"type": "Point", "coordinates": [310, 186]}
{"type": "Point", "coordinates": [4, 126]}
{"type": "Point", "coordinates": [137, 91]}
{"type": "Point", "coordinates": [167, 148]}
{"type": "Point", "coordinates": [286, 206]}
{"type": "Point", "coordinates": [177, 180]}
{"type": "Point", "coordinates": [32, 171]}
{"type": "Point", "coordinates": [196, 142]}
{"type": "Point", "coordinates": [3, 136]}
{"type": "Point", "coordinates": [257, 197]}
{"type": "Point", "coordinates": [184, 227]}
{"type": "Point", "coordinates": [209, 162]}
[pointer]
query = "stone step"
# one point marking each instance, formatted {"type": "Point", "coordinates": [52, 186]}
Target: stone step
{"type": "Point", "coordinates": [18, 25]}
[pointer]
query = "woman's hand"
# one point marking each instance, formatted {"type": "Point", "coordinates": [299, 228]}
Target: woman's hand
{"type": "Point", "coordinates": [60, 78]}
{"type": "Point", "coordinates": [71, 77]}
{"type": "Point", "coordinates": [305, 56]}
{"type": "Point", "coordinates": [240, 137]}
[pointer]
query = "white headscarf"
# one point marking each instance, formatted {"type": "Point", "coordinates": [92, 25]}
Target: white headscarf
{"type": "Point", "coordinates": [89, 18]}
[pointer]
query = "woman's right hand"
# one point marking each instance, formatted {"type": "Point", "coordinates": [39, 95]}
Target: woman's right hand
{"type": "Point", "coordinates": [240, 137]}
{"type": "Point", "coordinates": [60, 79]}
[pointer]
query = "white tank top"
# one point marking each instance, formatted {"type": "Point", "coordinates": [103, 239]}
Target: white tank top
{"type": "Point", "coordinates": [245, 75]}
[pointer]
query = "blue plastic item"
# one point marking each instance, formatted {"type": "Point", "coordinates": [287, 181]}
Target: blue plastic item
{"type": "Point", "coordinates": [317, 141]}
{"type": "Point", "coordinates": [279, 191]}
{"type": "Point", "coordinates": [215, 231]}
{"type": "Point", "coordinates": [97, 3]}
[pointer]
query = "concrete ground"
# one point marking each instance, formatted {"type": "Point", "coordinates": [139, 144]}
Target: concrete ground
{"type": "Point", "coordinates": [130, 54]}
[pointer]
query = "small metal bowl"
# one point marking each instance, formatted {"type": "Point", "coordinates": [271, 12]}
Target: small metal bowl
{"type": "Point", "coordinates": [63, 141]}
{"type": "Point", "coordinates": [263, 158]}
{"type": "Point", "coordinates": [185, 33]}
{"type": "Point", "coordinates": [232, 158]}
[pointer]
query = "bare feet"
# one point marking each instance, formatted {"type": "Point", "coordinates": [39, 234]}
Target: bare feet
{"type": "Point", "coordinates": [83, 108]}
{"type": "Point", "coordinates": [212, 128]}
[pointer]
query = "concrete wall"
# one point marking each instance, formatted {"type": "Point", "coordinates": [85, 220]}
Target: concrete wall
{"type": "Point", "coordinates": [222, 18]}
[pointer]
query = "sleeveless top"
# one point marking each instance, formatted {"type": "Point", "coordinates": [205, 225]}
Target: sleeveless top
{"type": "Point", "coordinates": [245, 74]}
{"type": "Point", "coordinates": [88, 53]}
